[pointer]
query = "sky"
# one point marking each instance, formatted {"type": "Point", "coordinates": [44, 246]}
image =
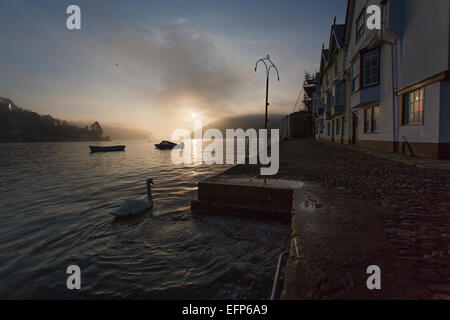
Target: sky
{"type": "Point", "coordinates": [152, 65]}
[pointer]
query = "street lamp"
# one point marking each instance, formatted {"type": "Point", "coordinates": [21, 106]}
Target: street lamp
{"type": "Point", "coordinates": [269, 65]}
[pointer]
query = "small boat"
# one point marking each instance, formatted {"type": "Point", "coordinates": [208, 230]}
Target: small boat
{"type": "Point", "coordinates": [166, 145]}
{"type": "Point", "coordinates": [107, 148]}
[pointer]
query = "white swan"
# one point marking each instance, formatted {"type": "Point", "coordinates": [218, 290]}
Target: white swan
{"type": "Point", "coordinates": [131, 207]}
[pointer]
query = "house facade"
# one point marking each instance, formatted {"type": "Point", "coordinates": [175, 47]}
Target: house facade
{"type": "Point", "coordinates": [318, 109]}
{"type": "Point", "coordinates": [397, 78]}
{"type": "Point", "coordinates": [332, 84]}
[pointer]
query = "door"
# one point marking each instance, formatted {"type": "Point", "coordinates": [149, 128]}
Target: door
{"type": "Point", "coordinates": [355, 128]}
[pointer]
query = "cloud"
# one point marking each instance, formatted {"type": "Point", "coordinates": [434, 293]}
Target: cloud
{"type": "Point", "coordinates": [151, 74]}
{"type": "Point", "coordinates": [176, 65]}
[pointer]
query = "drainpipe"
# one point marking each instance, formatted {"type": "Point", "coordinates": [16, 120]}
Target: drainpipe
{"type": "Point", "coordinates": [394, 96]}
{"type": "Point", "coordinates": [394, 78]}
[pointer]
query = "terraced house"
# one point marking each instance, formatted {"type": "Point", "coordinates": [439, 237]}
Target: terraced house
{"type": "Point", "coordinates": [397, 78]}
{"type": "Point", "coordinates": [332, 84]}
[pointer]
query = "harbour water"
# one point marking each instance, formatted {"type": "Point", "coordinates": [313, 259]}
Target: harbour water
{"type": "Point", "coordinates": [54, 205]}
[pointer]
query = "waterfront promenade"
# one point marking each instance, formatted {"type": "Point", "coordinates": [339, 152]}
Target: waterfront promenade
{"type": "Point", "coordinates": [375, 208]}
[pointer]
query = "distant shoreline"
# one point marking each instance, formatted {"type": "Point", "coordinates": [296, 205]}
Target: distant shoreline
{"type": "Point", "coordinates": [53, 141]}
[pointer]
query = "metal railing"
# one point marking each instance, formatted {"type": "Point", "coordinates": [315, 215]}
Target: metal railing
{"type": "Point", "coordinates": [277, 273]}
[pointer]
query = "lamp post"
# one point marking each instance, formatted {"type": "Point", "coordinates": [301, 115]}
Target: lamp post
{"type": "Point", "coordinates": [269, 65]}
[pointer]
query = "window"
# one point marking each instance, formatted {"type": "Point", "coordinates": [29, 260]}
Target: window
{"type": "Point", "coordinates": [367, 120]}
{"type": "Point", "coordinates": [340, 93]}
{"type": "Point", "coordinates": [319, 126]}
{"type": "Point", "coordinates": [413, 107]}
{"type": "Point", "coordinates": [360, 25]}
{"type": "Point", "coordinates": [329, 100]}
{"type": "Point", "coordinates": [371, 67]}
{"type": "Point", "coordinates": [375, 119]}
{"type": "Point", "coordinates": [343, 127]}
{"type": "Point", "coordinates": [355, 76]}
{"type": "Point", "coordinates": [328, 129]}
{"type": "Point", "coordinates": [338, 127]}
{"type": "Point", "coordinates": [371, 119]}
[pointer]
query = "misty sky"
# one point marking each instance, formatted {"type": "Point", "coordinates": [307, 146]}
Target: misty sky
{"type": "Point", "coordinates": [174, 58]}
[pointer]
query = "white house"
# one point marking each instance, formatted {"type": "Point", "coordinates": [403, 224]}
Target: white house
{"type": "Point", "coordinates": [398, 77]}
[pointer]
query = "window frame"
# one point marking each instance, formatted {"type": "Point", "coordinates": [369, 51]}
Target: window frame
{"type": "Point", "coordinates": [374, 120]}
{"type": "Point", "coordinates": [338, 127]}
{"type": "Point", "coordinates": [421, 108]}
{"type": "Point", "coordinates": [367, 123]}
{"type": "Point", "coordinates": [361, 17]}
{"type": "Point", "coordinates": [369, 120]}
{"type": "Point", "coordinates": [355, 84]}
{"type": "Point", "coordinates": [363, 68]}
{"type": "Point", "coordinates": [340, 93]}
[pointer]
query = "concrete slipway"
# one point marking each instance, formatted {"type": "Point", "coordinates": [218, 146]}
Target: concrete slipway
{"type": "Point", "coordinates": [333, 240]}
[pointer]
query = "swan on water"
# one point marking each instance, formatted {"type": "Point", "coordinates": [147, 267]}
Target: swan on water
{"type": "Point", "coordinates": [131, 207]}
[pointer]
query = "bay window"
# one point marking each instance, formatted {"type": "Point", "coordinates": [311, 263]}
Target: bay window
{"type": "Point", "coordinates": [340, 93]}
{"type": "Point", "coordinates": [371, 67]}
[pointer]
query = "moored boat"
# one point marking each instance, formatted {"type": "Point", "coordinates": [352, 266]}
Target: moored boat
{"type": "Point", "coordinates": [107, 148]}
{"type": "Point", "coordinates": [165, 145]}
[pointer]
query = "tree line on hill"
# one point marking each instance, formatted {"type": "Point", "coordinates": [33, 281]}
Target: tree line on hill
{"type": "Point", "coordinates": [18, 124]}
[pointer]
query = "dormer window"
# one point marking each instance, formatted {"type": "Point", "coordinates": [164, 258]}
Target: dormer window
{"type": "Point", "coordinates": [360, 25]}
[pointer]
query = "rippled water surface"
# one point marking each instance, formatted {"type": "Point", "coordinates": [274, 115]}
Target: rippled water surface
{"type": "Point", "coordinates": [54, 205]}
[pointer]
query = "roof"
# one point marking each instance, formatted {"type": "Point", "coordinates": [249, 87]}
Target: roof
{"type": "Point", "coordinates": [324, 58]}
{"type": "Point", "coordinates": [338, 30]}
{"type": "Point", "coordinates": [325, 54]}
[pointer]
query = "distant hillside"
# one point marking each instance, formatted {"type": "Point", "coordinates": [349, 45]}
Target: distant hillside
{"type": "Point", "coordinates": [18, 124]}
{"type": "Point", "coordinates": [116, 133]}
{"type": "Point", "coordinates": [255, 121]}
